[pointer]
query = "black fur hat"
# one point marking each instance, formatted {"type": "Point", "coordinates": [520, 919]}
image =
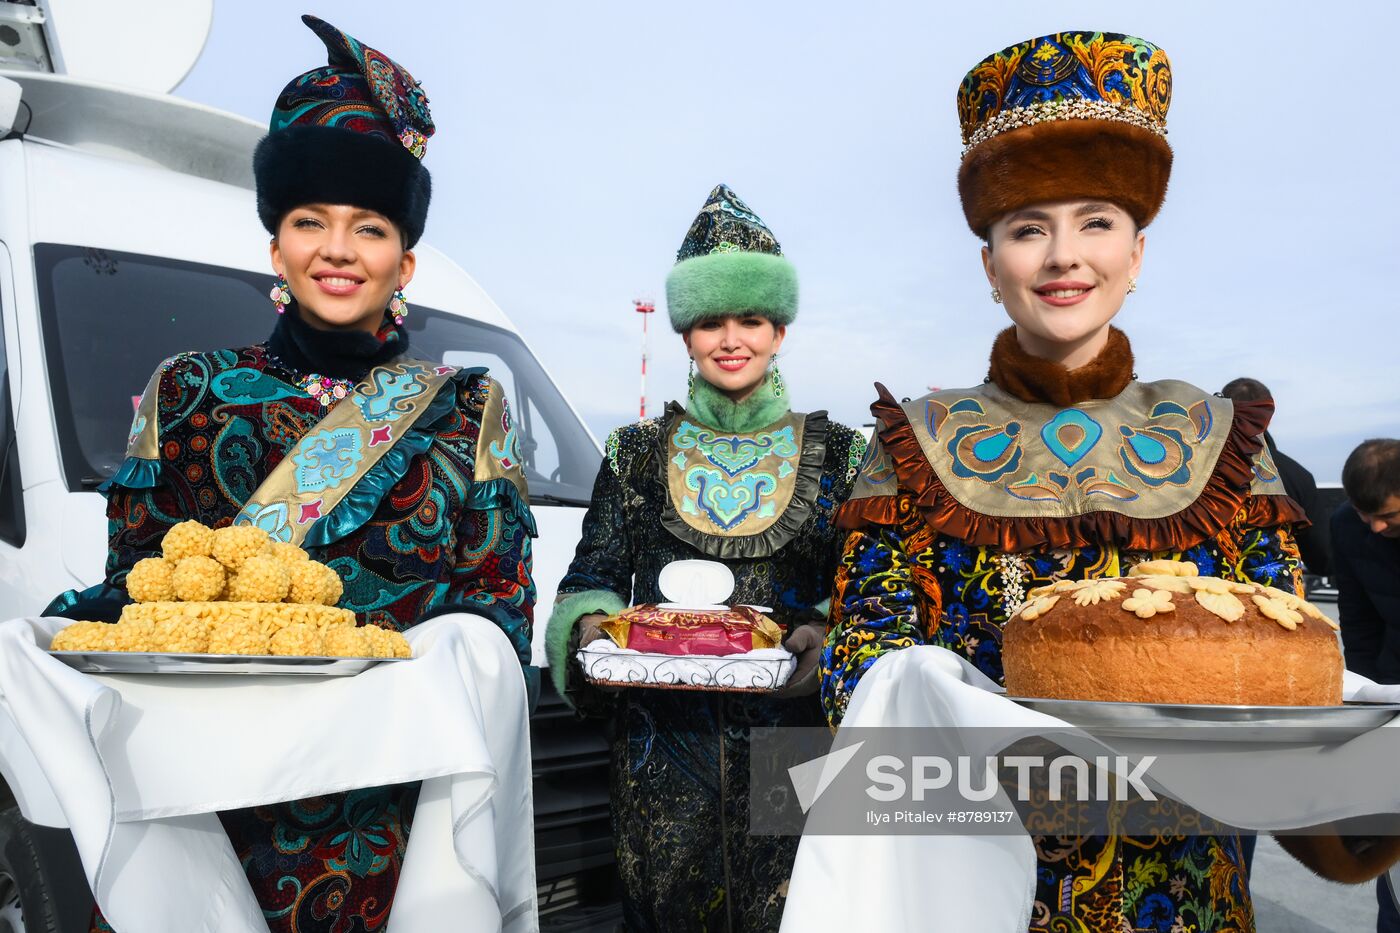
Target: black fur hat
{"type": "Point", "coordinates": [350, 132]}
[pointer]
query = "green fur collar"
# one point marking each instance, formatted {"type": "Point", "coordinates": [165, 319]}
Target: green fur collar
{"type": "Point", "coordinates": [727, 284]}
{"type": "Point", "coordinates": [759, 410]}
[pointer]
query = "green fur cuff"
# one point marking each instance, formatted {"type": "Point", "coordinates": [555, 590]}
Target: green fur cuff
{"type": "Point", "coordinates": [723, 284]}
{"type": "Point", "coordinates": [567, 612]}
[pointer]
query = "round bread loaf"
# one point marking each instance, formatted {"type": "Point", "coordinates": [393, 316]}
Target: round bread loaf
{"type": "Point", "coordinates": [1166, 635]}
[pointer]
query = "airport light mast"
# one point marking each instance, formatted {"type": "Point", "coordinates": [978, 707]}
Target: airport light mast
{"type": "Point", "coordinates": [644, 308]}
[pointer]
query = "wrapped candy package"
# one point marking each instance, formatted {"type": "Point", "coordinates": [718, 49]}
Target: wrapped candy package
{"type": "Point", "coordinates": [692, 642]}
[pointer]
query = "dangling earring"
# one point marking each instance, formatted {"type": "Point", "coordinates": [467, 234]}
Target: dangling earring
{"type": "Point", "coordinates": [281, 295]}
{"type": "Point", "coordinates": [1132, 285]}
{"type": "Point", "coordinates": [398, 306]}
{"type": "Point", "coordinates": [690, 381]}
{"type": "Point", "coordinates": [775, 378]}
{"type": "Point", "coordinates": [996, 295]}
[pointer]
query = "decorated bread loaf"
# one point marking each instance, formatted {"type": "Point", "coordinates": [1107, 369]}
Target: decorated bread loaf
{"type": "Point", "coordinates": [1165, 634]}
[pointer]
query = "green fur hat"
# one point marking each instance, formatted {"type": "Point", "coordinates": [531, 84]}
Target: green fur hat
{"type": "Point", "coordinates": [729, 264]}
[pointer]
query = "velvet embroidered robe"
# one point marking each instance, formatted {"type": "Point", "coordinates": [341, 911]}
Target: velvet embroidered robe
{"type": "Point", "coordinates": [1080, 474]}
{"type": "Point", "coordinates": [445, 527]}
{"type": "Point", "coordinates": [680, 759]}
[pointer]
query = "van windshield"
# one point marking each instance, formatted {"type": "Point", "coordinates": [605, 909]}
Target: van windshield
{"type": "Point", "coordinates": [109, 318]}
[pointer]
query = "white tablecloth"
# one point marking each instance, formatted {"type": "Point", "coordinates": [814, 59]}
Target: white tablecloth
{"type": "Point", "coordinates": [140, 764]}
{"type": "Point", "coordinates": [924, 881]}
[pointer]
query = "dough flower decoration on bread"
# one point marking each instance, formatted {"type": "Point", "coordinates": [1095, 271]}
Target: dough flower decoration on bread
{"type": "Point", "coordinates": [233, 591]}
{"type": "Point", "coordinates": [1225, 605]}
{"type": "Point", "coordinates": [1298, 604]}
{"type": "Point", "coordinates": [1180, 585]}
{"type": "Point", "coordinates": [1145, 603]}
{"type": "Point", "coordinates": [1039, 606]}
{"type": "Point", "coordinates": [1092, 592]}
{"type": "Point", "coordinates": [1059, 586]}
{"type": "Point", "coordinates": [1279, 611]}
{"type": "Point", "coordinates": [1164, 568]}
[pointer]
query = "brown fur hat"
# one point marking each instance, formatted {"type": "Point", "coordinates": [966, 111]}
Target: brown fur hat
{"type": "Point", "coordinates": [1061, 160]}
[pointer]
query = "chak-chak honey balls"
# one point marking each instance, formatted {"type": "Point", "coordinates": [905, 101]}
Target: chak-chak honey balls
{"type": "Point", "coordinates": [187, 539]}
{"type": "Point", "coordinates": [263, 579]}
{"type": "Point", "coordinates": [233, 591]}
{"type": "Point", "coordinates": [152, 580]}
{"type": "Point", "coordinates": [233, 546]}
{"type": "Point", "coordinates": [198, 579]}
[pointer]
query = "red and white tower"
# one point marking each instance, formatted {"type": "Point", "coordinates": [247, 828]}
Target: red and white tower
{"type": "Point", "coordinates": [644, 308]}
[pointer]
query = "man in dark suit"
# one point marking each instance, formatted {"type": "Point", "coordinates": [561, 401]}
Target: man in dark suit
{"type": "Point", "coordinates": [1297, 482]}
{"type": "Point", "coordinates": [1366, 568]}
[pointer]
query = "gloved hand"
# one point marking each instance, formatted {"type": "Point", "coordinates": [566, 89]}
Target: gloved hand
{"type": "Point", "coordinates": [590, 628]}
{"type": "Point", "coordinates": [805, 641]}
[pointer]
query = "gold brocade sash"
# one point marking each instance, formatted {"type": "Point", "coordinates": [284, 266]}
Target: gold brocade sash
{"type": "Point", "coordinates": [324, 466]}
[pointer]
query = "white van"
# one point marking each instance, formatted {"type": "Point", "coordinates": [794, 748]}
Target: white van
{"type": "Point", "coordinates": [127, 234]}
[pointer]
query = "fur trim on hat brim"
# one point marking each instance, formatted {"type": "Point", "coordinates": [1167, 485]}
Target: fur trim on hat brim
{"type": "Point", "coordinates": [730, 284]}
{"type": "Point", "coordinates": [1064, 160]}
{"type": "Point", "coordinates": [330, 165]}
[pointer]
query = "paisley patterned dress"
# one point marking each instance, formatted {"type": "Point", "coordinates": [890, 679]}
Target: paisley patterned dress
{"type": "Point", "coordinates": [440, 525]}
{"type": "Point", "coordinates": [973, 497]}
{"type": "Point", "coordinates": [670, 489]}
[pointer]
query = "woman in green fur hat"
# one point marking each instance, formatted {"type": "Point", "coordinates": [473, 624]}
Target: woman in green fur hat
{"type": "Point", "coordinates": [680, 759]}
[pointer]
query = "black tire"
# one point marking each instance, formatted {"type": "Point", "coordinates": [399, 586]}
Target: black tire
{"type": "Point", "coordinates": [42, 887]}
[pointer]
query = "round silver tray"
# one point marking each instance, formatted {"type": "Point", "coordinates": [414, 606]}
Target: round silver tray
{"type": "Point", "coordinates": [139, 662]}
{"type": "Point", "coordinates": [1284, 724]}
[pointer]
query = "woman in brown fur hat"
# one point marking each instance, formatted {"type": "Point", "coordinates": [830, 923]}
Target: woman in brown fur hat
{"type": "Point", "coordinates": [1062, 466]}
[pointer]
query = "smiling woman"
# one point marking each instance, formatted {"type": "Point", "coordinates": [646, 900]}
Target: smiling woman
{"type": "Point", "coordinates": [423, 509]}
{"type": "Point", "coordinates": [1062, 467]}
{"type": "Point", "coordinates": [735, 476]}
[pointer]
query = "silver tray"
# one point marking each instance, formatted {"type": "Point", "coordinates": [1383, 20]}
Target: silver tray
{"type": "Point", "coordinates": [140, 662]}
{"type": "Point", "coordinates": [1283, 724]}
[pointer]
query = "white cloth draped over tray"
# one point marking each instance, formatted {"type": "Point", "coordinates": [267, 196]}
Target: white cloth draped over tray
{"type": "Point", "coordinates": [987, 882]}
{"type": "Point", "coordinates": [139, 766]}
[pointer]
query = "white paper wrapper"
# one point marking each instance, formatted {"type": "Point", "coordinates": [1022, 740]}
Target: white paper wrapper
{"type": "Point", "coordinates": [760, 671]}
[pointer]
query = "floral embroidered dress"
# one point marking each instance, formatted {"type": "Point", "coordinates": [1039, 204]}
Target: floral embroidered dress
{"type": "Point", "coordinates": [758, 492]}
{"type": "Point", "coordinates": [439, 524]}
{"type": "Point", "coordinates": [972, 497]}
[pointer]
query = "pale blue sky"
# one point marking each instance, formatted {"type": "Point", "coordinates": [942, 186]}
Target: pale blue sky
{"type": "Point", "coordinates": [576, 142]}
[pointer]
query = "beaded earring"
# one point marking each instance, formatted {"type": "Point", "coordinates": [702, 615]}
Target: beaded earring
{"type": "Point", "coordinates": [775, 378]}
{"type": "Point", "coordinates": [1132, 285]}
{"type": "Point", "coordinates": [690, 381]}
{"type": "Point", "coordinates": [996, 295]}
{"type": "Point", "coordinates": [281, 295]}
{"type": "Point", "coordinates": [398, 306]}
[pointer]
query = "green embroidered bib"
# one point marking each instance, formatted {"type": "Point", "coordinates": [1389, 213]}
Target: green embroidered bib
{"type": "Point", "coordinates": [740, 493]}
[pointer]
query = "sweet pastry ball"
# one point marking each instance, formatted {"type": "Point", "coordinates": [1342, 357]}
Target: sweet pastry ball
{"type": "Point", "coordinates": [1165, 634]}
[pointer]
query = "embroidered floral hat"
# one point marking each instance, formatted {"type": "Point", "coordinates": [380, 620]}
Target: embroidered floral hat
{"type": "Point", "coordinates": [729, 264]}
{"type": "Point", "coordinates": [1065, 116]}
{"type": "Point", "coordinates": [353, 131]}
